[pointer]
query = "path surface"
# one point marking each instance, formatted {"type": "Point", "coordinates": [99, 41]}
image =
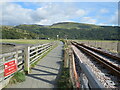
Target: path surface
{"type": "Point", "coordinates": [43, 75]}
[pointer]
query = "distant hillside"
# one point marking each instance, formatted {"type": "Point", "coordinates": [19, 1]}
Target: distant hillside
{"type": "Point", "coordinates": [70, 30]}
{"type": "Point", "coordinates": [72, 25]}
{"type": "Point", "coordinates": [9, 32]}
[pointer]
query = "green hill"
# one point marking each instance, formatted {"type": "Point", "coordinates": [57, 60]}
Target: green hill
{"type": "Point", "coordinates": [68, 30]}
{"type": "Point", "coordinates": [73, 25]}
{"type": "Point", "coordinates": [9, 32]}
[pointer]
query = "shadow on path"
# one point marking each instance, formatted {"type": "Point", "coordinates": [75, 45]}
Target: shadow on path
{"type": "Point", "coordinates": [38, 78]}
{"type": "Point", "coordinates": [43, 71]}
{"type": "Point", "coordinates": [47, 67]}
{"type": "Point", "coordinates": [41, 74]}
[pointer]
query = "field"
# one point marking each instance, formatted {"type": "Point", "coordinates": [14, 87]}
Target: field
{"type": "Point", "coordinates": [8, 48]}
{"type": "Point", "coordinates": [25, 41]}
{"type": "Point", "coordinates": [111, 46]}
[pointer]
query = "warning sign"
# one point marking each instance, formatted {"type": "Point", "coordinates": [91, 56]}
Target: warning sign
{"type": "Point", "coordinates": [10, 68]}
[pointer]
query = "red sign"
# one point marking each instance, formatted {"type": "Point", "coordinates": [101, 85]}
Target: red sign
{"type": "Point", "coordinates": [10, 67]}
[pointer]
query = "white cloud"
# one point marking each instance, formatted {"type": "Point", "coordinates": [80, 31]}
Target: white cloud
{"type": "Point", "coordinates": [102, 24]}
{"type": "Point", "coordinates": [49, 13]}
{"type": "Point", "coordinates": [88, 20]}
{"type": "Point", "coordinates": [104, 10]}
{"type": "Point", "coordinates": [80, 12]}
{"type": "Point", "coordinates": [15, 14]}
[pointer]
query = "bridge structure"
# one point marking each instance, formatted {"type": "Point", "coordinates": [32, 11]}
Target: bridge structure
{"type": "Point", "coordinates": [82, 70]}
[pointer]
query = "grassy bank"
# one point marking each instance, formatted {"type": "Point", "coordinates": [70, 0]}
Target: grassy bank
{"type": "Point", "coordinates": [63, 81]}
{"type": "Point", "coordinates": [25, 41]}
{"type": "Point", "coordinates": [110, 45]}
{"type": "Point", "coordinates": [18, 77]}
{"type": "Point", "coordinates": [64, 78]}
{"type": "Point", "coordinates": [99, 40]}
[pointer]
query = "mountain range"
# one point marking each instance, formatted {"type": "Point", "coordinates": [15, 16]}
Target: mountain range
{"type": "Point", "coordinates": [70, 30]}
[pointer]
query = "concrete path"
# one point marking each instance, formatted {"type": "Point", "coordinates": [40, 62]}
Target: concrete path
{"type": "Point", "coordinates": [43, 75]}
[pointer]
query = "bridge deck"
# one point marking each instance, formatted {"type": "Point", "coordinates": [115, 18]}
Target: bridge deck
{"type": "Point", "coordinates": [44, 74]}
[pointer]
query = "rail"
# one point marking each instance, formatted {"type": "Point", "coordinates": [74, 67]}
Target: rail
{"type": "Point", "coordinates": [110, 66]}
{"type": "Point", "coordinates": [99, 51]}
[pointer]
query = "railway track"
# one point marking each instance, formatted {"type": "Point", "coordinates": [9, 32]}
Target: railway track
{"type": "Point", "coordinates": [101, 52]}
{"type": "Point", "coordinates": [101, 59]}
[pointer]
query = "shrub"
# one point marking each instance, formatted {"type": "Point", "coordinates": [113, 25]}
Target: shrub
{"type": "Point", "coordinates": [18, 77]}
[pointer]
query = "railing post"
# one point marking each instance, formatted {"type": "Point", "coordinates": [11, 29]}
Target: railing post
{"type": "Point", "coordinates": [16, 58]}
{"type": "Point", "coordinates": [27, 59]}
{"type": "Point", "coordinates": [66, 58]}
{"type": "Point", "coordinates": [71, 70]}
{"type": "Point", "coordinates": [2, 75]}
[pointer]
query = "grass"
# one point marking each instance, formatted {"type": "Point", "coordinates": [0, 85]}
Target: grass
{"type": "Point", "coordinates": [25, 41]}
{"type": "Point", "coordinates": [99, 40]}
{"type": "Point", "coordinates": [64, 79]}
{"type": "Point", "coordinates": [18, 77]}
{"type": "Point", "coordinates": [110, 45]}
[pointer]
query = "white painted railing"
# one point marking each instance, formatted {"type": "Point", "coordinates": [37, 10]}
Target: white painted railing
{"type": "Point", "coordinates": [24, 58]}
{"type": "Point", "coordinates": [5, 59]}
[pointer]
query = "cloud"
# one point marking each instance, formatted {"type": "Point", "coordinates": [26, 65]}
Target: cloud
{"type": "Point", "coordinates": [88, 20]}
{"type": "Point", "coordinates": [13, 14]}
{"type": "Point", "coordinates": [53, 13]}
{"type": "Point", "coordinates": [102, 24]}
{"type": "Point", "coordinates": [58, 13]}
{"type": "Point", "coordinates": [104, 10]}
{"type": "Point", "coordinates": [80, 12]}
{"type": "Point", "coordinates": [49, 13]}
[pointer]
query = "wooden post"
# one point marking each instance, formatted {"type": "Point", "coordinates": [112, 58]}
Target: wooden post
{"type": "Point", "coordinates": [2, 76]}
{"type": "Point", "coordinates": [16, 57]}
{"type": "Point", "coordinates": [71, 70]}
{"type": "Point", "coordinates": [27, 59]}
{"type": "Point", "coordinates": [66, 58]}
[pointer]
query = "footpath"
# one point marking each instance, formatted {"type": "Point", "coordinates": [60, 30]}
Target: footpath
{"type": "Point", "coordinates": [45, 72]}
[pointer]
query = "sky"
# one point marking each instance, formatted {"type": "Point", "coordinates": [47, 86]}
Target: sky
{"type": "Point", "coordinates": [48, 13]}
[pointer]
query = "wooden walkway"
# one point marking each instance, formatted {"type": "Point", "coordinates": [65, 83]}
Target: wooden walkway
{"type": "Point", "coordinates": [44, 74]}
